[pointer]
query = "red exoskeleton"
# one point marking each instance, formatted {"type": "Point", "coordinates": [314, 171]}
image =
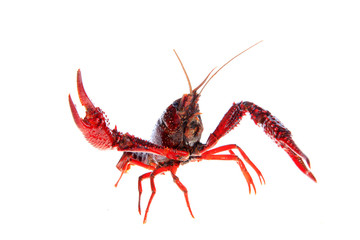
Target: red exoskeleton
{"type": "Point", "coordinates": [176, 137]}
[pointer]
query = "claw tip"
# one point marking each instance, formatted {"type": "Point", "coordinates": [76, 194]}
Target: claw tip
{"type": "Point", "coordinates": [79, 74]}
{"type": "Point", "coordinates": [310, 175]}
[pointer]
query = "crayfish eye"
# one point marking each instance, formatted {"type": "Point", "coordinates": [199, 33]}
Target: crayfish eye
{"type": "Point", "coordinates": [176, 104]}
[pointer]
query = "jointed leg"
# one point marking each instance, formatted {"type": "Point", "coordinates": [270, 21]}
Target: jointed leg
{"type": "Point", "coordinates": [182, 188]}
{"type": "Point", "coordinates": [213, 156]}
{"type": "Point", "coordinates": [245, 173]}
{"type": "Point", "coordinates": [126, 161]}
{"type": "Point", "coordinates": [153, 189]}
{"type": "Point", "coordinates": [151, 175]}
{"type": "Point", "coordinates": [142, 177]}
{"type": "Point", "coordinates": [229, 148]}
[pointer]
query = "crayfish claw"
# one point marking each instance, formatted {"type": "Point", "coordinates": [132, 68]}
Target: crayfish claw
{"type": "Point", "coordinates": [78, 121]}
{"type": "Point", "coordinates": [289, 143]}
{"type": "Point", "coordinates": [84, 99]}
{"type": "Point", "coordinates": [298, 160]}
{"type": "Point", "coordinates": [95, 124]}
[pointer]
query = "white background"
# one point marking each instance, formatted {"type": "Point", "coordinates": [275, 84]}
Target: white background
{"type": "Point", "coordinates": [54, 185]}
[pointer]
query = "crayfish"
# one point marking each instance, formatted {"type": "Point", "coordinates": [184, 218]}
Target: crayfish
{"type": "Point", "coordinates": [176, 137]}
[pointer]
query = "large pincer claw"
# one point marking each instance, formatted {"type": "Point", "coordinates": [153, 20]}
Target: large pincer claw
{"type": "Point", "coordinates": [95, 124]}
{"type": "Point", "coordinates": [297, 156]}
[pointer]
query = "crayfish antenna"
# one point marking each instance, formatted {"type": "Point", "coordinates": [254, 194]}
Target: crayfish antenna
{"type": "Point", "coordinates": [203, 80]}
{"type": "Point", "coordinates": [228, 63]}
{"type": "Point", "coordinates": [182, 65]}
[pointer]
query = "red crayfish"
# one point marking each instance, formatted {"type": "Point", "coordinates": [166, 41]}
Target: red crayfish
{"type": "Point", "coordinates": [176, 137]}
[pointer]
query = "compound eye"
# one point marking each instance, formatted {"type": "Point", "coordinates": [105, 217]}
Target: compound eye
{"type": "Point", "coordinates": [171, 118]}
{"type": "Point", "coordinates": [176, 103]}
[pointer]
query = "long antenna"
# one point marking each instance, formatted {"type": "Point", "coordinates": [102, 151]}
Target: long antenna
{"type": "Point", "coordinates": [227, 63]}
{"type": "Point", "coordinates": [187, 77]}
{"type": "Point", "coordinates": [195, 89]}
